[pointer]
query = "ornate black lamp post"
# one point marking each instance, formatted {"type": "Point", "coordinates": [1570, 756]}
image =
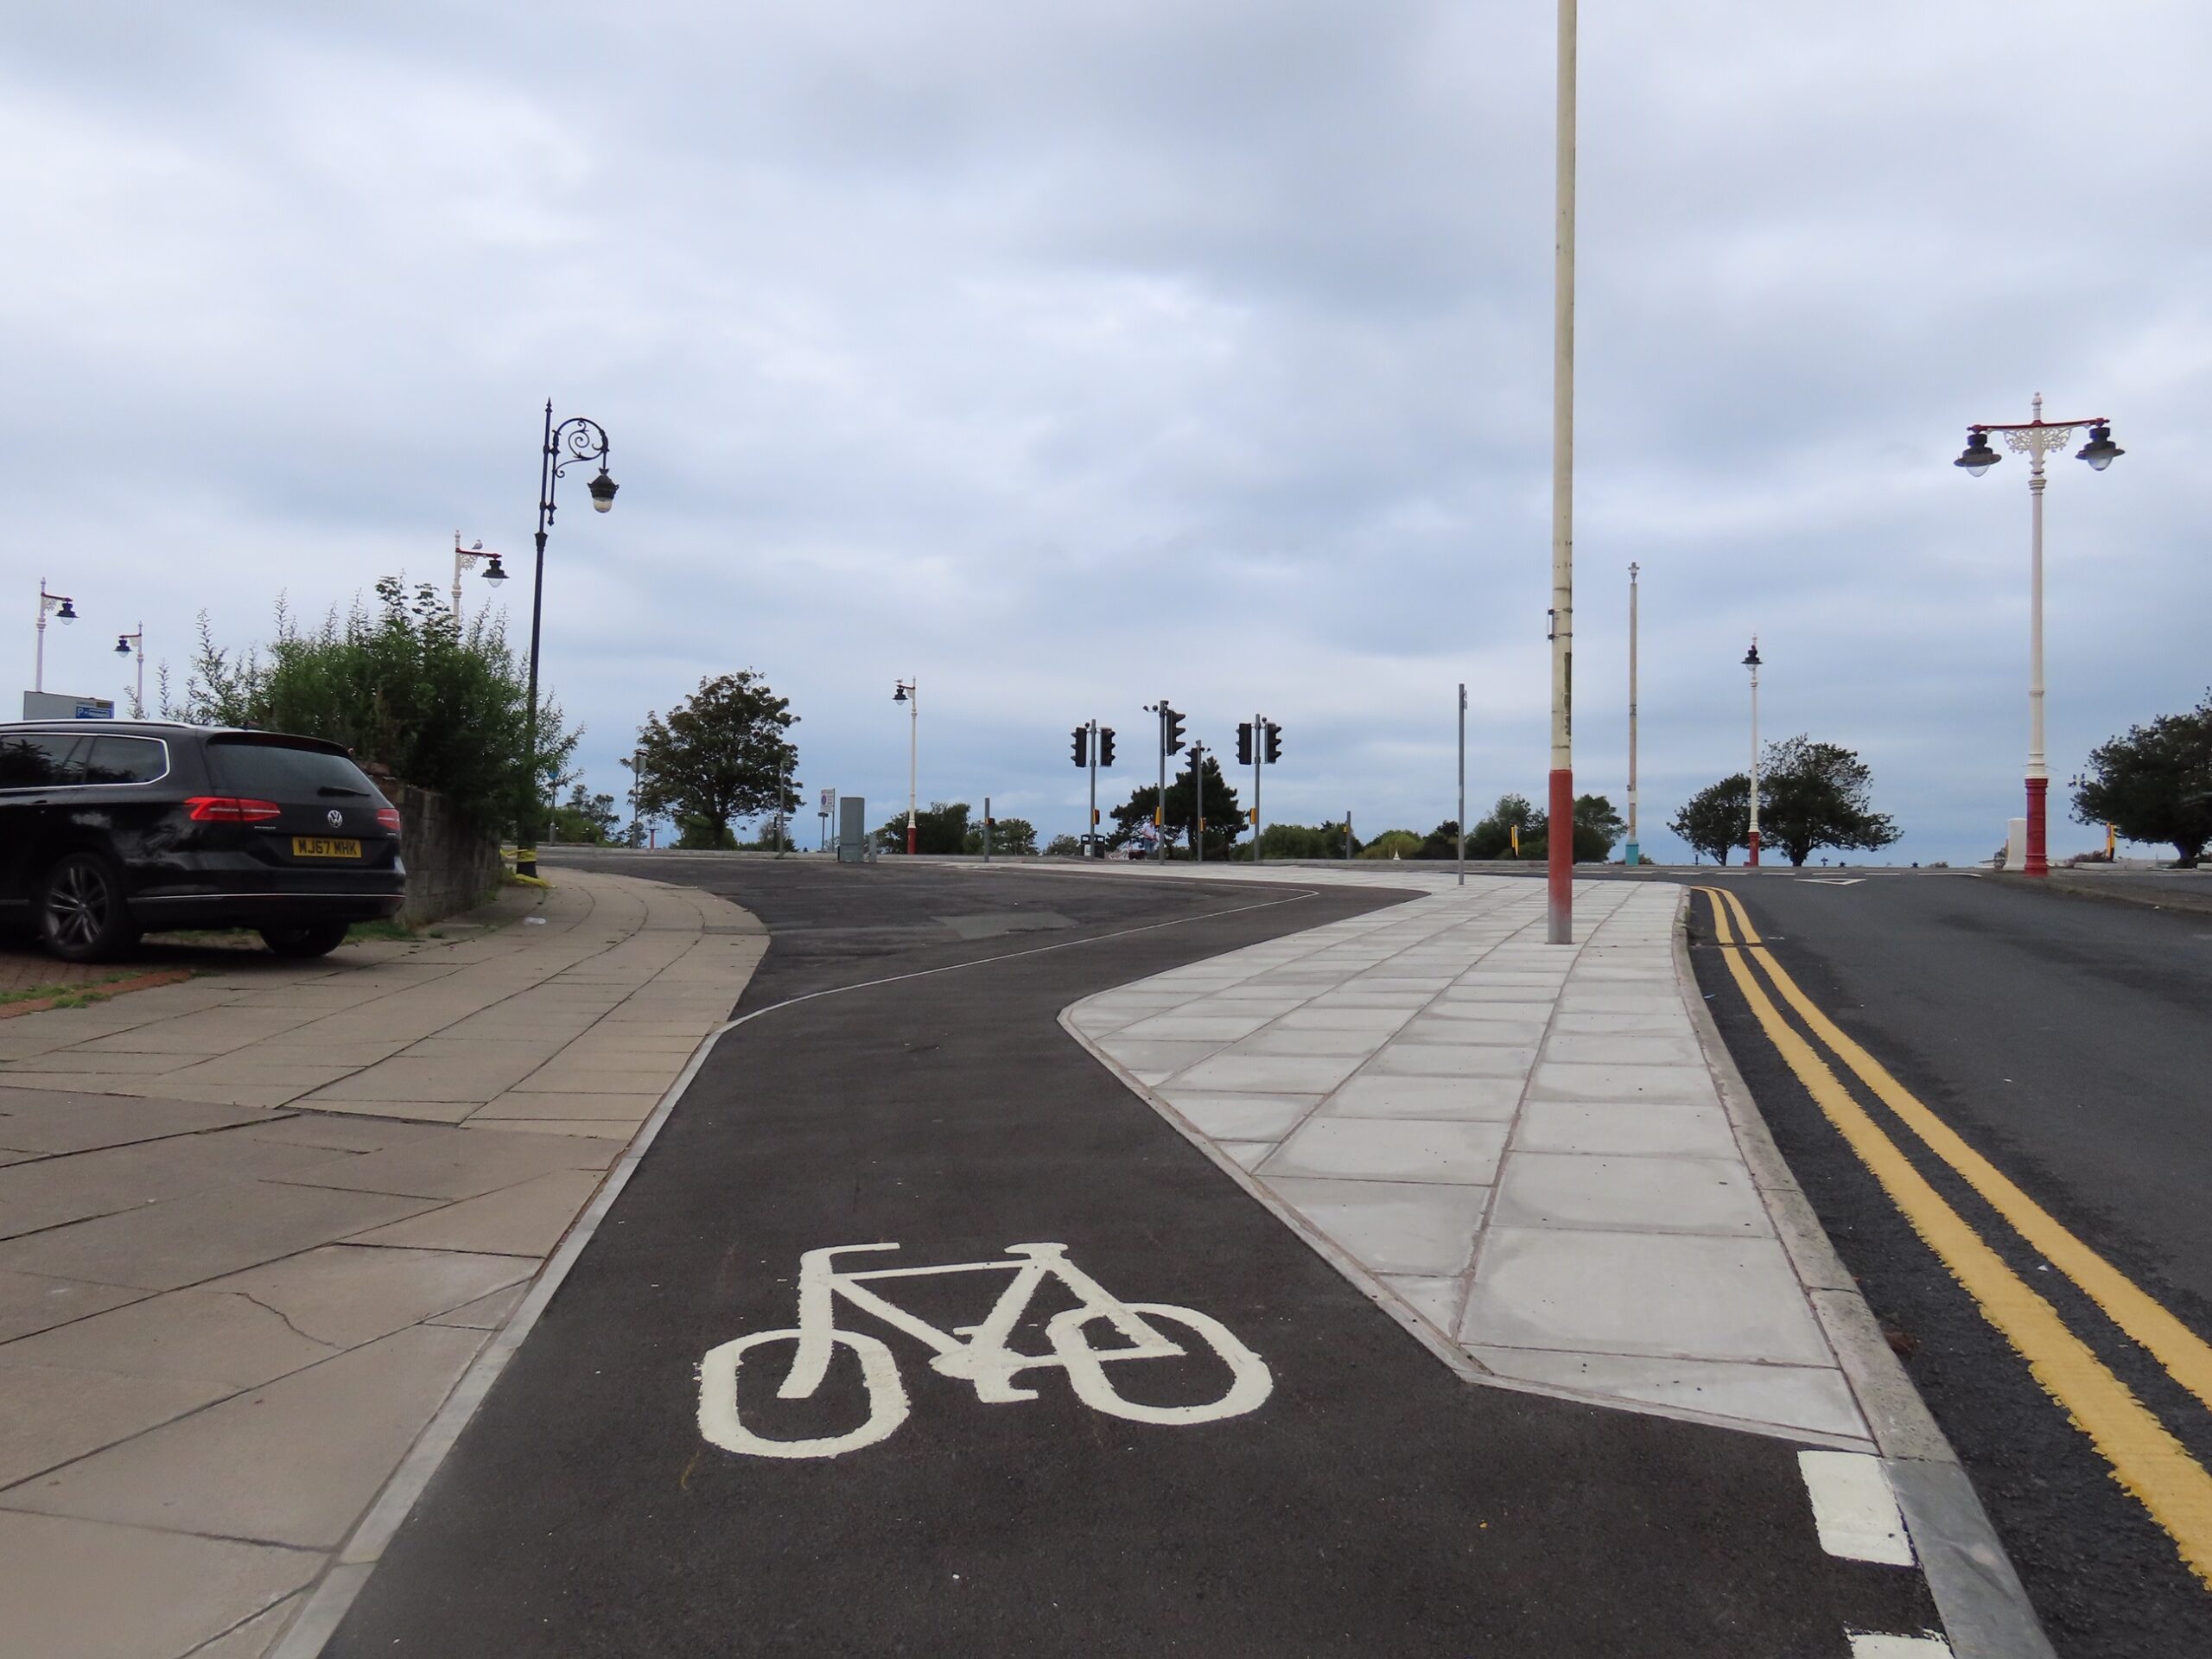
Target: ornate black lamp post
{"type": "Point", "coordinates": [572, 441]}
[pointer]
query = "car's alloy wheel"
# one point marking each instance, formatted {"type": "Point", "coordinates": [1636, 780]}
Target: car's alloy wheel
{"type": "Point", "coordinates": [82, 916]}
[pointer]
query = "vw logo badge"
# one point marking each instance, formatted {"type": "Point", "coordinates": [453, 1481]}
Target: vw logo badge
{"type": "Point", "coordinates": [335, 816]}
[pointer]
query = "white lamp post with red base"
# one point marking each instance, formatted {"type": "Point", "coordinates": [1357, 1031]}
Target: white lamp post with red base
{"type": "Point", "coordinates": [1752, 662]}
{"type": "Point", "coordinates": [2036, 439]}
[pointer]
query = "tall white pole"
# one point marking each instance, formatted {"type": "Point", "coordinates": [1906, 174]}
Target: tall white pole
{"type": "Point", "coordinates": [2038, 861]}
{"type": "Point", "coordinates": [1633, 853]}
{"type": "Point", "coordinates": [38, 674]}
{"type": "Point", "coordinates": [1463, 784]}
{"type": "Point", "coordinates": [913, 752]}
{"type": "Point", "coordinates": [138, 698]}
{"type": "Point", "coordinates": [1561, 848]}
{"type": "Point", "coordinates": [1752, 855]}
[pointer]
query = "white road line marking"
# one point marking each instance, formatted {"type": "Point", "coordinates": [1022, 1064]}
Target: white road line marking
{"type": "Point", "coordinates": [1855, 1508]}
{"type": "Point", "coordinates": [1869, 1644]}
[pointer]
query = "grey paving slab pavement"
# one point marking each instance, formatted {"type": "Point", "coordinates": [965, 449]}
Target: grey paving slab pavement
{"type": "Point", "coordinates": [254, 1227]}
{"type": "Point", "coordinates": [1524, 1145]}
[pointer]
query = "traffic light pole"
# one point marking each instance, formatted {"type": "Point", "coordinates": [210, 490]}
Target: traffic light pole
{"type": "Point", "coordinates": [1259, 760]}
{"type": "Point", "coordinates": [1160, 801]}
{"type": "Point", "coordinates": [1199, 802]}
{"type": "Point", "coordinates": [1090, 840]}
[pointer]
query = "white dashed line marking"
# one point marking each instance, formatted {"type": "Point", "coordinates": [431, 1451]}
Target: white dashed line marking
{"type": "Point", "coordinates": [1870, 1645]}
{"type": "Point", "coordinates": [1856, 1510]}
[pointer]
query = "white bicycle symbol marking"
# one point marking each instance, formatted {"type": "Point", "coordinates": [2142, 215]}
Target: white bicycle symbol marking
{"type": "Point", "coordinates": [984, 1360]}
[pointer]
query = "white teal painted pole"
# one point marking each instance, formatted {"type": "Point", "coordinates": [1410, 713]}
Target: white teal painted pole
{"type": "Point", "coordinates": [1463, 784]}
{"type": "Point", "coordinates": [1633, 854]}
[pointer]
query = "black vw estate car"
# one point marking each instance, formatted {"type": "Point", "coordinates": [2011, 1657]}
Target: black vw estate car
{"type": "Point", "coordinates": [111, 828]}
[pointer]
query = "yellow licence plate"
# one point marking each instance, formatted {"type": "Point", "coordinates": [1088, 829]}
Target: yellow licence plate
{"type": "Point", "coordinates": [324, 846]}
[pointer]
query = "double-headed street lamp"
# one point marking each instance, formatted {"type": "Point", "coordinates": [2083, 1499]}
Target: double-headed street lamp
{"type": "Point", "coordinates": [1752, 662]}
{"type": "Point", "coordinates": [2036, 439]}
{"type": "Point", "coordinates": [65, 611]}
{"type": "Point", "coordinates": [574, 440]}
{"type": "Point", "coordinates": [134, 645]}
{"type": "Point", "coordinates": [907, 692]}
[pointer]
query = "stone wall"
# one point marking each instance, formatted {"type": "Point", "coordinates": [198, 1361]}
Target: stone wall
{"type": "Point", "coordinates": [450, 866]}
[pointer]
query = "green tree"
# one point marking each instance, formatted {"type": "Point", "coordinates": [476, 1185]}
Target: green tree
{"type": "Point", "coordinates": [1443, 841]}
{"type": "Point", "coordinates": [1816, 795]}
{"type": "Point", "coordinates": [1493, 836]}
{"type": "Point", "coordinates": [1010, 838]}
{"type": "Point", "coordinates": [585, 818]}
{"type": "Point", "coordinates": [720, 755]}
{"type": "Point", "coordinates": [405, 686]}
{"type": "Point", "coordinates": [1225, 820]}
{"type": "Point", "coordinates": [1596, 828]}
{"type": "Point", "coordinates": [940, 827]}
{"type": "Point", "coordinates": [1136, 811]}
{"type": "Point", "coordinates": [1717, 818]}
{"type": "Point", "coordinates": [1064, 847]}
{"type": "Point", "coordinates": [2154, 782]}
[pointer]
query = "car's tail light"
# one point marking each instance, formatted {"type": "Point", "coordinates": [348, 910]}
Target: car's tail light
{"type": "Point", "coordinates": [389, 818]}
{"type": "Point", "coordinates": [230, 809]}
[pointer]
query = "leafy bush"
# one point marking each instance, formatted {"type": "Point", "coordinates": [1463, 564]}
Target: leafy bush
{"type": "Point", "coordinates": [1304, 841]}
{"type": "Point", "coordinates": [404, 685]}
{"type": "Point", "coordinates": [938, 828]}
{"type": "Point", "coordinates": [1010, 838]}
{"type": "Point", "coordinates": [1393, 843]}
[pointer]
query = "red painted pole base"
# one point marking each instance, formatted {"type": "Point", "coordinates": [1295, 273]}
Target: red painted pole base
{"type": "Point", "coordinates": [910, 835]}
{"type": "Point", "coordinates": [1752, 857]}
{"type": "Point", "coordinates": [2038, 862]}
{"type": "Point", "coordinates": [1558, 858]}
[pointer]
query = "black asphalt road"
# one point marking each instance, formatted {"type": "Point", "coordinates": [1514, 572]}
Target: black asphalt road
{"type": "Point", "coordinates": [2070, 1042]}
{"type": "Point", "coordinates": [1373, 1505]}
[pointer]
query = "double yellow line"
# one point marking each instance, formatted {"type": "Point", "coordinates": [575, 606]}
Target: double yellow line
{"type": "Point", "coordinates": [2145, 1457]}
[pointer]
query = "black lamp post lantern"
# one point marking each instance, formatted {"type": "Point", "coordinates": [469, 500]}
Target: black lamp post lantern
{"type": "Point", "coordinates": [573, 441]}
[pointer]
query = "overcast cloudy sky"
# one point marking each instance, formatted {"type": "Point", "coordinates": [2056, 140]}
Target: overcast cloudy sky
{"type": "Point", "coordinates": [1068, 356]}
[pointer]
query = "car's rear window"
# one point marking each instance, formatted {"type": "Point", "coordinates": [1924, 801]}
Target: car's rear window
{"type": "Point", "coordinates": [282, 772]}
{"type": "Point", "coordinates": [124, 761]}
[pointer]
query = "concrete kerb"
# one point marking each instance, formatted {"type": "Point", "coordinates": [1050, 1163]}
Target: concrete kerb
{"type": "Point", "coordinates": [1386, 1297]}
{"type": "Point", "coordinates": [327, 1600]}
{"type": "Point", "coordinates": [1985, 1608]}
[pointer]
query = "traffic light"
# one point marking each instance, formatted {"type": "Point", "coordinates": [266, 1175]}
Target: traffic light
{"type": "Point", "coordinates": [1243, 742]}
{"type": "Point", "coordinates": [1171, 723]}
{"type": "Point", "coordinates": [1273, 746]}
{"type": "Point", "coordinates": [1105, 745]}
{"type": "Point", "coordinates": [1083, 745]}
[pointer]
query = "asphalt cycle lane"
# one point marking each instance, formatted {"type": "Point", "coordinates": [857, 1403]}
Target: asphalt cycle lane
{"type": "Point", "coordinates": [1096, 1399]}
{"type": "Point", "coordinates": [2066, 1042]}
